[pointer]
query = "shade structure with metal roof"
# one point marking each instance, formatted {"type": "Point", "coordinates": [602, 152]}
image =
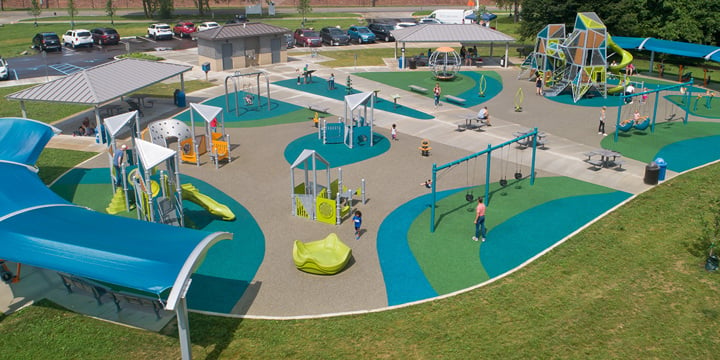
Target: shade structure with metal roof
{"type": "Point", "coordinates": [455, 33]}
{"type": "Point", "coordinates": [101, 84]}
{"type": "Point", "coordinates": [143, 256]}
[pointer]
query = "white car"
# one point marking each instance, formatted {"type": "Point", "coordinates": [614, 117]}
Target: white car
{"type": "Point", "coordinates": [4, 69]}
{"type": "Point", "coordinates": [208, 25]}
{"type": "Point", "coordinates": [78, 37]}
{"type": "Point", "coordinates": [402, 25]}
{"type": "Point", "coordinates": [160, 31]}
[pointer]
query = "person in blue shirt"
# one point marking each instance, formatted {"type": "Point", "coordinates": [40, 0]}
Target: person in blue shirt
{"type": "Point", "coordinates": [357, 221]}
{"type": "Point", "coordinates": [118, 159]}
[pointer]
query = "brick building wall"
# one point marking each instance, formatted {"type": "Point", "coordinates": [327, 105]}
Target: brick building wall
{"type": "Point", "coordinates": [137, 4]}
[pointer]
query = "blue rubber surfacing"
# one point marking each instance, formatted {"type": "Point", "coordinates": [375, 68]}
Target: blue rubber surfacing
{"type": "Point", "coordinates": [510, 244]}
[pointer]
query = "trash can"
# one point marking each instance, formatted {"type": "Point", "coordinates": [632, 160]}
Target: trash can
{"type": "Point", "coordinates": [400, 63]}
{"type": "Point", "coordinates": [502, 61]}
{"type": "Point", "coordinates": [652, 171]}
{"type": "Point", "coordinates": [181, 98]}
{"type": "Point", "coordinates": [412, 63]}
{"type": "Point", "coordinates": [663, 168]}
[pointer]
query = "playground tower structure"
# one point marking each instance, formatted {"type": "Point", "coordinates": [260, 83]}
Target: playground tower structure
{"type": "Point", "coordinates": [578, 61]}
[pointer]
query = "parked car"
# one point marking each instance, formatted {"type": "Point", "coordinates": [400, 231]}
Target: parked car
{"type": "Point", "coordinates": [403, 25]}
{"type": "Point", "coordinates": [184, 29]}
{"type": "Point", "coordinates": [238, 19]}
{"type": "Point", "coordinates": [105, 36]}
{"type": "Point", "coordinates": [78, 37]}
{"type": "Point", "coordinates": [307, 37]}
{"type": "Point", "coordinates": [4, 69]}
{"type": "Point", "coordinates": [207, 26]}
{"type": "Point", "coordinates": [159, 31]}
{"type": "Point", "coordinates": [289, 40]}
{"type": "Point", "coordinates": [46, 41]}
{"type": "Point", "coordinates": [334, 36]}
{"type": "Point", "coordinates": [361, 34]}
{"type": "Point", "coordinates": [382, 31]}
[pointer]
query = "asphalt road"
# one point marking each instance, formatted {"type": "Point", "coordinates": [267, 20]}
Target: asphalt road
{"type": "Point", "coordinates": [69, 60]}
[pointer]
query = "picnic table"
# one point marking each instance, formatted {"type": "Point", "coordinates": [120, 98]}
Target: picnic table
{"type": "Point", "coordinates": [608, 158]}
{"type": "Point", "coordinates": [468, 124]}
{"type": "Point", "coordinates": [527, 142]}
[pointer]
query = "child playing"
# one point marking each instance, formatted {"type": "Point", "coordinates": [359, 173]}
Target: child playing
{"type": "Point", "coordinates": [393, 132]}
{"type": "Point", "coordinates": [357, 221]}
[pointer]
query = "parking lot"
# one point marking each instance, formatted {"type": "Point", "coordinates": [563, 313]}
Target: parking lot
{"type": "Point", "coordinates": [70, 60]}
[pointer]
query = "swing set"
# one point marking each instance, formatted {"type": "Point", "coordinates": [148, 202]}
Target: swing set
{"type": "Point", "coordinates": [627, 123]}
{"type": "Point", "coordinates": [251, 89]}
{"type": "Point", "coordinates": [469, 196]}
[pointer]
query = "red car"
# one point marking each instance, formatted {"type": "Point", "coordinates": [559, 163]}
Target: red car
{"type": "Point", "coordinates": [184, 29]}
{"type": "Point", "coordinates": [307, 37]}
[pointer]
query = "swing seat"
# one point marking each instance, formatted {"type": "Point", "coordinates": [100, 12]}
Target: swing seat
{"type": "Point", "coordinates": [625, 126]}
{"type": "Point", "coordinates": [643, 125]}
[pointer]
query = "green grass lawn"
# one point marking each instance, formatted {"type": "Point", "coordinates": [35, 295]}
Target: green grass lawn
{"type": "Point", "coordinates": [631, 286]}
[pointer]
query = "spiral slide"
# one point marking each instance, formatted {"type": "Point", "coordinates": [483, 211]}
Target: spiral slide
{"type": "Point", "coordinates": [626, 59]}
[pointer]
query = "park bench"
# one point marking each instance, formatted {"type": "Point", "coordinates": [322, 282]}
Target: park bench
{"type": "Point", "coordinates": [419, 89]}
{"type": "Point", "coordinates": [98, 291]}
{"type": "Point", "coordinates": [455, 99]}
{"type": "Point", "coordinates": [598, 164]}
{"type": "Point", "coordinates": [319, 108]}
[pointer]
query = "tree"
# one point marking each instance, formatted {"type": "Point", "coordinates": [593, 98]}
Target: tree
{"type": "Point", "coordinates": [35, 10]}
{"type": "Point", "coordinates": [514, 4]}
{"type": "Point", "coordinates": [202, 6]}
{"type": "Point", "coordinates": [72, 11]}
{"type": "Point", "coordinates": [110, 10]}
{"type": "Point", "coordinates": [304, 8]}
{"type": "Point", "coordinates": [166, 8]}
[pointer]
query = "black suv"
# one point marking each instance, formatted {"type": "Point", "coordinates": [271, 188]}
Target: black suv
{"type": "Point", "coordinates": [105, 36]}
{"type": "Point", "coordinates": [46, 41]}
{"type": "Point", "coordinates": [382, 31]}
{"type": "Point", "coordinates": [334, 36]}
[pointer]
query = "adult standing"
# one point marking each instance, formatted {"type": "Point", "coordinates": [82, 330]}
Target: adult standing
{"type": "Point", "coordinates": [601, 127]}
{"type": "Point", "coordinates": [436, 92]}
{"type": "Point", "coordinates": [118, 159]}
{"type": "Point", "coordinates": [479, 220]}
{"type": "Point", "coordinates": [331, 82]}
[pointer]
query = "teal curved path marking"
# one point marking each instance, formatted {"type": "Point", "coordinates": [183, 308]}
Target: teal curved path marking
{"type": "Point", "coordinates": [319, 87]}
{"type": "Point", "coordinates": [527, 234]}
{"type": "Point", "coordinates": [336, 154]}
{"type": "Point", "coordinates": [229, 266]}
{"type": "Point", "coordinates": [247, 114]}
{"type": "Point", "coordinates": [493, 88]}
{"type": "Point", "coordinates": [404, 279]}
{"type": "Point", "coordinates": [687, 154]}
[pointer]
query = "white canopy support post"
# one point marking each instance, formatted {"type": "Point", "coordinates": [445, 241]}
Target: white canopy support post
{"type": "Point", "coordinates": [182, 82]}
{"type": "Point", "coordinates": [507, 50]}
{"type": "Point", "coordinates": [183, 329]}
{"type": "Point", "coordinates": [22, 108]}
{"type": "Point", "coordinates": [178, 188]}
